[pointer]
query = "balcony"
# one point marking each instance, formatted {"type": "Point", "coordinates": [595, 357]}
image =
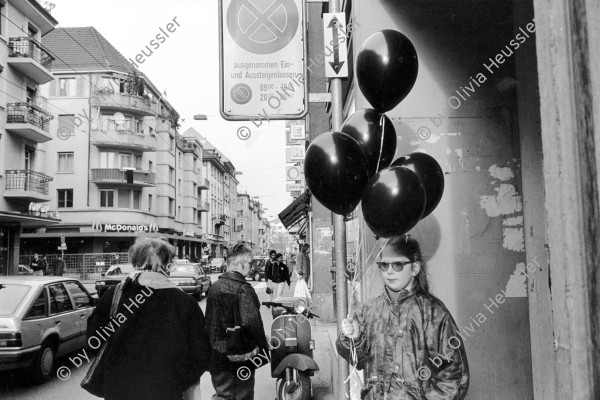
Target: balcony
{"type": "Point", "coordinates": [123, 102]}
{"type": "Point", "coordinates": [26, 184]}
{"type": "Point", "coordinates": [115, 176]}
{"type": "Point", "coordinates": [212, 236]}
{"type": "Point", "coordinates": [219, 220]}
{"type": "Point", "coordinates": [203, 206]}
{"type": "Point", "coordinates": [203, 184]}
{"type": "Point", "coordinates": [31, 59]}
{"type": "Point", "coordinates": [123, 140]}
{"type": "Point", "coordinates": [29, 121]}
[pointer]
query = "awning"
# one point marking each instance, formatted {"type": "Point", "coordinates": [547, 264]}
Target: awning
{"type": "Point", "coordinates": [26, 220]}
{"type": "Point", "coordinates": [296, 213]}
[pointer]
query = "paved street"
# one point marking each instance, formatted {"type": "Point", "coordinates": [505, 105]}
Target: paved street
{"type": "Point", "coordinates": [16, 387]}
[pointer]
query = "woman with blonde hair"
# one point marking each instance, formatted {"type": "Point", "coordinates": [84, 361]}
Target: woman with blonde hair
{"type": "Point", "coordinates": [157, 345]}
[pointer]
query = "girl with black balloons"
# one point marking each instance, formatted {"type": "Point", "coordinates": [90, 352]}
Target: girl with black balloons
{"type": "Point", "coordinates": [405, 339]}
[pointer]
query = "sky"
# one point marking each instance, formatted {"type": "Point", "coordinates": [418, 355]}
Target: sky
{"type": "Point", "coordinates": [186, 65]}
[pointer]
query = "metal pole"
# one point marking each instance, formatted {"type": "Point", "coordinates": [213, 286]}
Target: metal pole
{"type": "Point", "coordinates": [339, 232]}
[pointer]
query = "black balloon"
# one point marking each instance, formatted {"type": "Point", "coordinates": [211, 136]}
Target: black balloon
{"type": "Point", "coordinates": [430, 173]}
{"type": "Point", "coordinates": [393, 201]}
{"type": "Point", "coordinates": [365, 127]}
{"type": "Point", "coordinates": [386, 69]}
{"type": "Point", "coordinates": [336, 171]}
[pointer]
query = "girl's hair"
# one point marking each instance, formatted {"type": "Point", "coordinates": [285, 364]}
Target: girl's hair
{"type": "Point", "coordinates": [149, 253]}
{"type": "Point", "coordinates": [409, 247]}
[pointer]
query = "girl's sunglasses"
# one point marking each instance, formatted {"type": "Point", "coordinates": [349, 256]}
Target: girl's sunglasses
{"type": "Point", "coordinates": [397, 265]}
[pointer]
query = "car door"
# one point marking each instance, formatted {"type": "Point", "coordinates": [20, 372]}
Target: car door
{"type": "Point", "coordinates": [84, 305]}
{"type": "Point", "coordinates": [204, 278]}
{"type": "Point", "coordinates": [36, 322]}
{"type": "Point", "coordinates": [64, 316]}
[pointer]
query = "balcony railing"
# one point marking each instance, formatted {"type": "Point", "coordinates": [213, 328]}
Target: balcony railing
{"type": "Point", "coordinates": [23, 180]}
{"type": "Point", "coordinates": [115, 175]}
{"type": "Point", "coordinates": [109, 100]}
{"type": "Point", "coordinates": [26, 113]}
{"type": "Point", "coordinates": [28, 47]}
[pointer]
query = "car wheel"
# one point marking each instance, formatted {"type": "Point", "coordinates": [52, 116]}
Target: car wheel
{"type": "Point", "coordinates": [43, 364]}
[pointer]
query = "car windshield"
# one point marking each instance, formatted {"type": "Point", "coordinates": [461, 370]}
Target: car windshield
{"type": "Point", "coordinates": [10, 298]}
{"type": "Point", "coordinates": [121, 269]}
{"type": "Point", "coordinates": [182, 269]}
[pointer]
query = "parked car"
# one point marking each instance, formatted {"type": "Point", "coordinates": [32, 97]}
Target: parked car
{"type": "Point", "coordinates": [114, 275]}
{"type": "Point", "coordinates": [258, 268]}
{"type": "Point", "coordinates": [24, 270]}
{"type": "Point", "coordinates": [41, 318]}
{"type": "Point", "coordinates": [192, 278]}
{"type": "Point", "coordinates": [217, 264]}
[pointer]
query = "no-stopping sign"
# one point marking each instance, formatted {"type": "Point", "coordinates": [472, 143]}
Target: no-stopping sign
{"type": "Point", "coordinates": [262, 66]}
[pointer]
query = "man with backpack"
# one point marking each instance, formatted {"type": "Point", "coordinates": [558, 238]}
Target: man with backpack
{"type": "Point", "coordinates": [235, 328]}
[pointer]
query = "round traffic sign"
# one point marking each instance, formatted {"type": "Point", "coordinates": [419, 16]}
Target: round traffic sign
{"type": "Point", "coordinates": [241, 93]}
{"type": "Point", "coordinates": [262, 26]}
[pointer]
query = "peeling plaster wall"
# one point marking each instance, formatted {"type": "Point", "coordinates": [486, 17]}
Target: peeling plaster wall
{"type": "Point", "coordinates": [474, 241]}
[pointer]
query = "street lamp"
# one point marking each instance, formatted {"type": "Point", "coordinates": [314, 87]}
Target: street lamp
{"type": "Point", "coordinates": [200, 117]}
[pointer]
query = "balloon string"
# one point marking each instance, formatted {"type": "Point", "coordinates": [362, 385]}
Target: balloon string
{"type": "Point", "coordinates": [382, 123]}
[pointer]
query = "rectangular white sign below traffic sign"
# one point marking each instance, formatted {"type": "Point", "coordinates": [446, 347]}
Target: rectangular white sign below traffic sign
{"type": "Point", "coordinates": [262, 53]}
{"type": "Point", "coordinates": [290, 187]}
{"type": "Point", "coordinates": [335, 41]}
{"type": "Point", "coordinates": [294, 154]}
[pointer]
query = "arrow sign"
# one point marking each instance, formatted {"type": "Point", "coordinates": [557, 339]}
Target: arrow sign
{"type": "Point", "coordinates": [335, 48]}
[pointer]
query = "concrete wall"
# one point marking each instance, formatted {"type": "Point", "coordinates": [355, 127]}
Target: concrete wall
{"type": "Point", "coordinates": [474, 241]}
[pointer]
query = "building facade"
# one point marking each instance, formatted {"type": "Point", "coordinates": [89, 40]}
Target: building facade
{"type": "Point", "coordinates": [120, 166]}
{"type": "Point", "coordinates": [25, 120]}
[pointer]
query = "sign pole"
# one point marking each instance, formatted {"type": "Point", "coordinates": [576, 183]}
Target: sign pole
{"type": "Point", "coordinates": [339, 233]}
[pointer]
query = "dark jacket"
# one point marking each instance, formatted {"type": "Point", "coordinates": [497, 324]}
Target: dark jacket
{"type": "Point", "coordinates": [59, 267]}
{"type": "Point", "coordinates": [159, 347]}
{"type": "Point", "coordinates": [38, 265]}
{"type": "Point", "coordinates": [410, 348]}
{"type": "Point", "coordinates": [220, 294]}
{"type": "Point", "coordinates": [279, 272]}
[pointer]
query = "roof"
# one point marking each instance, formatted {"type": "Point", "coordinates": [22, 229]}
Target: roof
{"type": "Point", "coordinates": [84, 49]}
{"type": "Point", "coordinates": [34, 280]}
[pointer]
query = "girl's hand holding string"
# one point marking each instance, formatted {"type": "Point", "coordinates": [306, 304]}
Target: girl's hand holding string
{"type": "Point", "coordinates": [350, 328]}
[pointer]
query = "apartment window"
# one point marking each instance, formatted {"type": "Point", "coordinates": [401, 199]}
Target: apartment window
{"type": "Point", "coordinates": [138, 126]}
{"type": "Point", "coordinates": [137, 161]}
{"type": "Point", "coordinates": [195, 163]}
{"type": "Point", "coordinates": [171, 143]}
{"type": "Point", "coordinates": [124, 160]}
{"type": "Point", "coordinates": [150, 203]}
{"type": "Point", "coordinates": [67, 87]}
{"type": "Point", "coordinates": [150, 166]}
{"type": "Point", "coordinates": [151, 131]}
{"type": "Point", "coordinates": [137, 195]}
{"type": "Point", "coordinates": [171, 206]}
{"type": "Point", "coordinates": [2, 14]}
{"type": "Point", "coordinates": [65, 198]}
{"type": "Point", "coordinates": [178, 212]}
{"type": "Point", "coordinates": [66, 162]}
{"type": "Point", "coordinates": [66, 125]}
{"type": "Point", "coordinates": [195, 214]}
{"type": "Point", "coordinates": [179, 187]}
{"type": "Point", "coordinates": [107, 159]}
{"type": "Point", "coordinates": [180, 160]}
{"type": "Point", "coordinates": [107, 198]}
{"type": "Point", "coordinates": [172, 175]}
{"type": "Point", "coordinates": [28, 159]}
{"type": "Point", "coordinates": [124, 195]}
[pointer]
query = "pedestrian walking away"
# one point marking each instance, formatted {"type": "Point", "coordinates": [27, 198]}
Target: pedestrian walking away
{"type": "Point", "coordinates": [405, 339]}
{"type": "Point", "coordinates": [231, 289]}
{"type": "Point", "coordinates": [160, 347]}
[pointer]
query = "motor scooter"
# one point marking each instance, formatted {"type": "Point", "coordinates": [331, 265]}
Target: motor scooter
{"type": "Point", "coordinates": [292, 346]}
